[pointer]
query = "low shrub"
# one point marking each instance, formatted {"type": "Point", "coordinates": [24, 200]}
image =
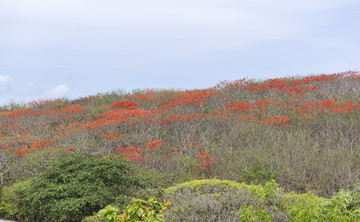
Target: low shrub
{"type": "Point", "coordinates": [6, 211]}
{"type": "Point", "coordinates": [77, 186]}
{"type": "Point", "coordinates": [139, 210]}
{"type": "Point", "coordinates": [354, 191]}
{"type": "Point", "coordinates": [222, 200]}
{"type": "Point", "coordinates": [10, 199]}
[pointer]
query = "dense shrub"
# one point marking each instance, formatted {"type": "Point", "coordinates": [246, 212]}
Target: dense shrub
{"type": "Point", "coordinates": [10, 199]}
{"type": "Point", "coordinates": [77, 186]}
{"type": "Point", "coordinates": [354, 191]}
{"type": "Point", "coordinates": [216, 200]}
{"type": "Point", "coordinates": [6, 211]}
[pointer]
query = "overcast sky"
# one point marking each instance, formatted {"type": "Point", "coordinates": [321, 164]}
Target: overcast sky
{"type": "Point", "coordinates": [74, 48]}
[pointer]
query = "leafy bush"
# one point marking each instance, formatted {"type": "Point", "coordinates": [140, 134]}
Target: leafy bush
{"type": "Point", "coordinates": [10, 199]}
{"type": "Point", "coordinates": [141, 210]}
{"type": "Point", "coordinates": [344, 206]}
{"type": "Point", "coordinates": [138, 210]}
{"type": "Point", "coordinates": [355, 196]}
{"type": "Point", "coordinates": [77, 186]}
{"type": "Point", "coordinates": [6, 211]}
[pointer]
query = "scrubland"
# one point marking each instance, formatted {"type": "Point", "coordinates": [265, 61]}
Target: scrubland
{"type": "Point", "coordinates": [288, 147]}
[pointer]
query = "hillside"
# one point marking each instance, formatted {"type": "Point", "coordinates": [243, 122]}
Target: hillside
{"type": "Point", "coordinates": [302, 132]}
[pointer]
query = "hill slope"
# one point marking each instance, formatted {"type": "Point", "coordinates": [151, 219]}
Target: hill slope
{"type": "Point", "coordinates": [300, 131]}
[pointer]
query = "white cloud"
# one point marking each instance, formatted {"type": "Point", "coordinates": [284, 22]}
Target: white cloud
{"type": "Point", "coordinates": [58, 91]}
{"type": "Point", "coordinates": [5, 84]}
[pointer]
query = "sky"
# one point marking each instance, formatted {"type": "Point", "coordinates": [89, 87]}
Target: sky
{"type": "Point", "coordinates": [75, 48]}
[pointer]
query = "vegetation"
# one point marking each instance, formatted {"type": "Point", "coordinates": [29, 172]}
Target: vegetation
{"type": "Point", "coordinates": [216, 200]}
{"type": "Point", "coordinates": [301, 132]}
{"type": "Point", "coordinates": [139, 210]}
{"type": "Point", "coordinates": [72, 188]}
{"type": "Point", "coordinates": [223, 200]}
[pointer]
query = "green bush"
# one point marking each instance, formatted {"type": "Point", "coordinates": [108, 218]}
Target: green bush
{"type": "Point", "coordinates": [141, 210]}
{"type": "Point", "coordinates": [77, 186]}
{"type": "Point", "coordinates": [355, 196]}
{"type": "Point", "coordinates": [10, 199]}
{"type": "Point", "coordinates": [6, 211]}
{"type": "Point", "coordinates": [138, 210]}
{"type": "Point", "coordinates": [258, 173]}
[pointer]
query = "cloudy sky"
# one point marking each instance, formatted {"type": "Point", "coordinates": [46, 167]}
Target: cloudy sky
{"type": "Point", "coordinates": [74, 48]}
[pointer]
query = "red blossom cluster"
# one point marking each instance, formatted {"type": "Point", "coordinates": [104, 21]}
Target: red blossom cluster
{"type": "Point", "coordinates": [183, 118]}
{"type": "Point", "coordinates": [206, 162]}
{"type": "Point", "coordinates": [124, 104]}
{"type": "Point", "coordinates": [154, 145]}
{"type": "Point", "coordinates": [118, 116]}
{"type": "Point", "coordinates": [111, 136]}
{"type": "Point", "coordinates": [20, 113]}
{"type": "Point", "coordinates": [291, 86]}
{"type": "Point", "coordinates": [310, 110]}
{"type": "Point", "coordinates": [258, 111]}
{"type": "Point", "coordinates": [131, 152]}
{"type": "Point", "coordinates": [261, 111]}
{"type": "Point", "coordinates": [190, 97]}
{"type": "Point", "coordinates": [136, 154]}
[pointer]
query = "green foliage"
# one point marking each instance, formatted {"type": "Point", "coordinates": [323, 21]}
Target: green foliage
{"type": "Point", "coordinates": [6, 211]}
{"type": "Point", "coordinates": [141, 210]}
{"type": "Point", "coordinates": [109, 212]}
{"type": "Point", "coordinates": [208, 186]}
{"type": "Point", "coordinates": [248, 213]}
{"type": "Point", "coordinates": [257, 174]}
{"type": "Point", "coordinates": [305, 207]}
{"type": "Point", "coordinates": [138, 210]}
{"type": "Point", "coordinates": [11, 198]}
{"type": "Point", "coordinates": [77, 186]}
{"type": "Point", "coordinates": [342, 207]}
{"type": "Point", "coordinates": [355, 196]}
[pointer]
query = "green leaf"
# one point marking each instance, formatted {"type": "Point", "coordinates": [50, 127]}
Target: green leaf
{"type": "Point", "coordinates": [140, 211]}
{"type": "Point", "coordinates": [153, 219]}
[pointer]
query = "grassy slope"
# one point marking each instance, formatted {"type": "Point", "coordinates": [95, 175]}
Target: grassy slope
{"type": "Point", "coordinates": [302, 132]}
